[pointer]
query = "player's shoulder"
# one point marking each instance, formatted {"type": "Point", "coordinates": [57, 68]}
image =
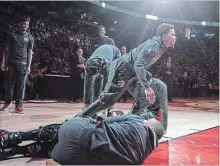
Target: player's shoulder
{"type": "Point", "coordinates": [150, 45]}
{"type": "Point", "coordinates": [153, 43]}
{"type": "Point", "coordinates": [30, 36]}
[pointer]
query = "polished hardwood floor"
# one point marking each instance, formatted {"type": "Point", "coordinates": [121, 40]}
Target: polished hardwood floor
{"type": "Point", "coordinates": [192, 137]}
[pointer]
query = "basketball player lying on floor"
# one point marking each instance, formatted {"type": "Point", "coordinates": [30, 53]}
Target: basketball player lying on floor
{"type": "Point", "coordinates": [123, 139]}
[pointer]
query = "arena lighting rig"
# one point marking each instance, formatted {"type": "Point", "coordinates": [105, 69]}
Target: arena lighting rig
{"type": "Point", "coordinates": [147, 16]}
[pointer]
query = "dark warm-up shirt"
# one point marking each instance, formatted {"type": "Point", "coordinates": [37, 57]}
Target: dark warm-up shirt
{"type": "Point", "coordinates": [19, 43]}
{"type": "Point", "coordinates": [142, 57]}
{"type": "Point", "coordinates": [107, 52]}
{"type": "Point", "coordinates": [122, 140]}
{"type": "Point", "coordinates": [98, 41]}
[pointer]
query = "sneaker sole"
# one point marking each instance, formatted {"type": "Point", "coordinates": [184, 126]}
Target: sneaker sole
{"type": "Point", "coordinates": [7, 108]}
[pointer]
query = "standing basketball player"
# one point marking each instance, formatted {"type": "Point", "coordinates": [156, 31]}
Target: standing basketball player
{"type": "Point", "coordinates": [131, 73]}
{"type": "Point", "coordinates": [17, 58]}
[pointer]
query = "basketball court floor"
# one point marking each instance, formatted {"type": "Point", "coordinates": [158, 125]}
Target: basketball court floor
{"type": "Point", "coordinates": [192, 137]}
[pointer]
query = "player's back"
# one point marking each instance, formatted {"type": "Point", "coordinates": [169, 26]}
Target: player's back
{"type": "Point", "coordinates": [133, 54]}
{"type": "Point", "coordinates": [107, 52]}
{"type": "Point", "coordinates": [122, 140]}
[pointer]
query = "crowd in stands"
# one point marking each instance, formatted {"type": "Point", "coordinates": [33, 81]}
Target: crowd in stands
{"type": "Point", "coordinates": [53, 41]}
{"type": "Point", "coordinates": [53, 38]}
{"type": "Point", "coordinates": [193, 58]}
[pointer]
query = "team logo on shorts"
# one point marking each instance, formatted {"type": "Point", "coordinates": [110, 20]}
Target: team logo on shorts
{"type": "Point", "coordinates": [26, 39]}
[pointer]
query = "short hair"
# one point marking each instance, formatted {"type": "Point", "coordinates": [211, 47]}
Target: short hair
{"type": "Point", "coordinates": [123, 47]}
{"type": "Point", "coordinates": [101, 26]}
{"type": "Point", "coordinates": [79, 49]}
{"type": "Point", "coordinates": [164, 29]}
{"type": "Point", "coordinates": [21, 19]}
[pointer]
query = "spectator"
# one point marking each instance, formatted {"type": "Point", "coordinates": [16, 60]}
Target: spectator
{"type": "Point", "coordinates": [77, 74]}
{"type": "Point", "coordinates": [101, 39]}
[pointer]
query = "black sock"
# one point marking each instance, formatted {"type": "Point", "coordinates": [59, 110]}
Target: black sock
{"type": "Point", "coordinates": [29, 135]}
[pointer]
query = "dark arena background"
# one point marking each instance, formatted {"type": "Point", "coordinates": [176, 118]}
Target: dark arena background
{"type": "Point", "coordinates": [192, 137]}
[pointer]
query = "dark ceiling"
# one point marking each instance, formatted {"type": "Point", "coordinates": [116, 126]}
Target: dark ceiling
{"type": "Point", "coordinates": [189, 10]}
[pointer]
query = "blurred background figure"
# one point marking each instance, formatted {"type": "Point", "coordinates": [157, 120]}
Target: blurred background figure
{"type": "Point", "coordinates": [101, 39]}
{"type": "Point", "coordinates": [124, 97]}
{"type": "Point", "coordinates": [34, 82]}
{"type": "Point", "coordinates": [167, 73]}
{"type": "Point", "coordinates": [77, 65]}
